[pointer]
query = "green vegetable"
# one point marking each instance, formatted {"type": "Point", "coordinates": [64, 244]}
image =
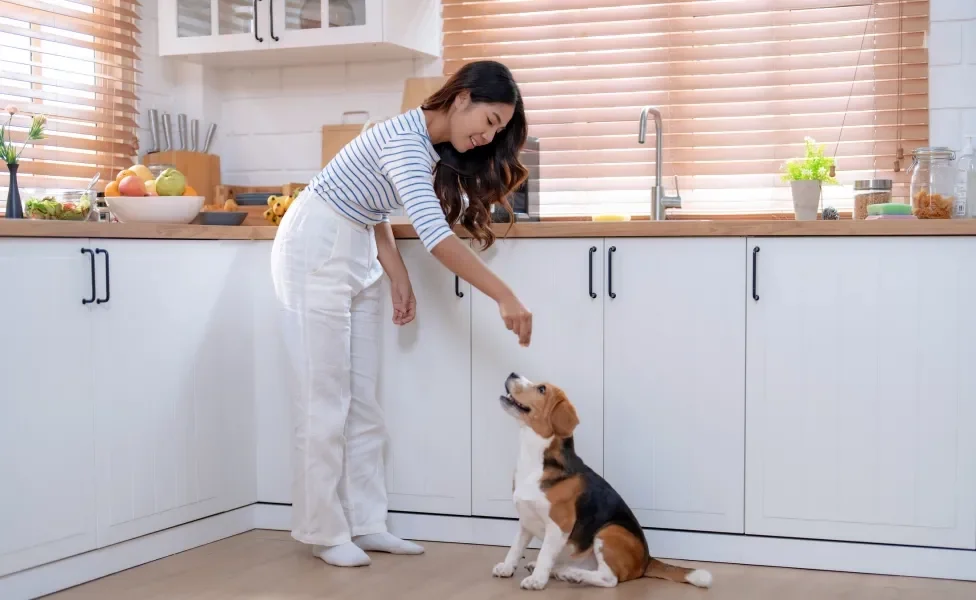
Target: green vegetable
{"type": "Point", "coordinates": [50, 208]}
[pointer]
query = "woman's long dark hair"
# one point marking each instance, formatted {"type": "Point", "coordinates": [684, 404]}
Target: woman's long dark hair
{"type": "Point", "coordinates": [486, 174]}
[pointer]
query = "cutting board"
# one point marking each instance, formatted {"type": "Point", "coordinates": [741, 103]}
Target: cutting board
{"type": "Point", "coordinates": [418, 89]}
{"type": "Point", "coordinates": [202, 171]}
{"type": "Point", "coordinates": [335, 137]}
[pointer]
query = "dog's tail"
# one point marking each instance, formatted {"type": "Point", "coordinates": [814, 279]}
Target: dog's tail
{"type": "Point", "coordinates": [661, 570]}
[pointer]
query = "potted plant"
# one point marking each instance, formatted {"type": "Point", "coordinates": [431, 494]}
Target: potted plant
{"type": "Point", "coordinates": [807, 176]}
{"type": "Point", "coordinates": [9, 154]}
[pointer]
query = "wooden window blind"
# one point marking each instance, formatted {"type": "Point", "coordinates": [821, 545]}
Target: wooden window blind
{"type": "Point", "coordinates": [739, 83]}
{"type": "Point", "coordinates": [75, 62]}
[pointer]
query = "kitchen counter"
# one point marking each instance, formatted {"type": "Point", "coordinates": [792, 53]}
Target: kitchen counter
{"type": "Point", "coordinates": [547, 229]}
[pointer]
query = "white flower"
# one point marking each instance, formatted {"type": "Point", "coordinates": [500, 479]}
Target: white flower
{"type": "Point", "coordinates": [11, 110]}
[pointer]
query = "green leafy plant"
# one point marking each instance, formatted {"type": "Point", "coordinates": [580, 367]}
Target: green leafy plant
{"type": "Point", "coordinates": [813, 166]}
{"type": "Point", "coordinates": [8, 150]}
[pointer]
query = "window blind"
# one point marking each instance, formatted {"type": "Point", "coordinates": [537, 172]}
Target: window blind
{"type": "Point", "coordinates": [73, 61]}
{"type": "Point", "coordinates": [740, 84]}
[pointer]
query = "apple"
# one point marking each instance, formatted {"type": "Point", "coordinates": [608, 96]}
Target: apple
{"type": "Point", "coordinates": [142, 171]}
{"type": "Point", "coordinates": [151, 188]}
{"type": "Point", "coordinates": [132, 185]}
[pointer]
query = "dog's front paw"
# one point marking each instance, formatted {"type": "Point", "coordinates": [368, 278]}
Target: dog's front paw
{"type": "Point", "coordinates": [534, 582]}
{"type": "Point", "coordinates": [503, 570]}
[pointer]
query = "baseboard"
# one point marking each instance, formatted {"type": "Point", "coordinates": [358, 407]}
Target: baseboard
{"type": "Point", "coordinates": [681, 545]}
{"type": "Point", "coordinates": [848, 557]}
{"type": "Point", "coordinates": [69, 572]}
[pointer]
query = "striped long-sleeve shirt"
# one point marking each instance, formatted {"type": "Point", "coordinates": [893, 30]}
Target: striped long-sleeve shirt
{"type": "Point", "coordinates": [387, 166]}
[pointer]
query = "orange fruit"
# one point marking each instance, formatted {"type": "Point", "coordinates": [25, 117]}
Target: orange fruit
{"type": "Point", "coordinates": [123, 174]}
{"type": "Point", "coordinates": [189, 191]}
{"type": "Point", "coordinates": [112, 189]}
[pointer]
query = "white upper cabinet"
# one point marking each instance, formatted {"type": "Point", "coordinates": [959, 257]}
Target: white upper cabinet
{"type": "Point", "coordinates": [861, 391]}
{"type": "Point", "coordinates": [674, 368]}
{"type": "Point", "coordinates": [280, 32]}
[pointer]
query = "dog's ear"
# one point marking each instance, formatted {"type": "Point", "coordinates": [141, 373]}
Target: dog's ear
{"type": "Point", "coordinates": [563, 418]}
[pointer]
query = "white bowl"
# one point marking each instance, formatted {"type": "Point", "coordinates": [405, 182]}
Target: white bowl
{"type": "Point", "coordinates": [155, 209]}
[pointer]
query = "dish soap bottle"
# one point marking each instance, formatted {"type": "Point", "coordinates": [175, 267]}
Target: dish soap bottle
{"type": "Point", "coordinates": [966, 181]}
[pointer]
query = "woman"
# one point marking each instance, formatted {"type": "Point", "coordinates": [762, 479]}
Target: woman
{"type": "Point", "coordinates": [333, 246]}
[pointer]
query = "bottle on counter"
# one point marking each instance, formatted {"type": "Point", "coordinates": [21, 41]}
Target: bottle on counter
{"type": "Point", "coordinates": [966, 180]}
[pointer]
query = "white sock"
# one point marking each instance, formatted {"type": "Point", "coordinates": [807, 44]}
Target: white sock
{"type": "Point", "coordinates": [343, 555]}
{"type": "Point", "coordinates": [387, 542]}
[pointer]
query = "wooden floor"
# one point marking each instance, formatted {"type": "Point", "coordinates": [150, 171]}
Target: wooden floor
{"type": "Point", "coordinates": [265, 565]}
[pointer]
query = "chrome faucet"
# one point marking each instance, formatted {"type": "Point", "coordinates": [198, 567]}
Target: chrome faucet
{"type": "Point", "coordinates": [659, 198]}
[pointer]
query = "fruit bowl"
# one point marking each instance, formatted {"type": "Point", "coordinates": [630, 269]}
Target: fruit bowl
{"type": "Point", "coordinates": [57, 205]}
{"type": "Point", "coordinates": [155, 209]}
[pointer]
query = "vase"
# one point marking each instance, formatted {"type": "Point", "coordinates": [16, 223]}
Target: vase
{"type": "Point", "coordinates": [15, 210]}
{"type": "Point", "coordinates": [806, 199]}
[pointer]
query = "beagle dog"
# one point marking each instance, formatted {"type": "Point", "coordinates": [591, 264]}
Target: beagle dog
{"type": "Point", "coordinates": [589, 535]}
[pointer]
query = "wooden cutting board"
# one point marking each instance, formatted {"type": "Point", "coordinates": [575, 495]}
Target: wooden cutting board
{"type": "Point", "coordinates": [335, 137]}
{"type": "Point", "coordinates": [418, 89]}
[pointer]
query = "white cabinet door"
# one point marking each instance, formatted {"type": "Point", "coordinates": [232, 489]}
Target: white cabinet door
{"type": "Point", "coordinates": [174, 356]}
{"type": "Point", "coordinates": [213, 26]}
{"type": "Point", "coordinates": [273, 384]}
{"type": "Point", "coordinates": [425, 390]}
{"type": "Point", "coordinates": [674, 372]}
{"type": "Point", "coordinates": [552, 278]}
{"type": "Point", "coordinates": [861, 392]}
{"type": "Point", "coordinates": [47, 465]}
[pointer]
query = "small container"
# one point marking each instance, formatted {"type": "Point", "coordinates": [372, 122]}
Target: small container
{"type": "Point", "coordinates": [57, 205]}
{"type": "Point", "coordinates": [868, 192]}
{"type": "Point", "coordinates": [157, 169]}
{"type": "Point", "coordinates": [933, 182]}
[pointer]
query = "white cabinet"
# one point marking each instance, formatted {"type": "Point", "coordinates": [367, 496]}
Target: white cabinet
{"type": "Point", "coordinates": [674, 365]}
{"type": "Point", "coordinates": [174, 402]}
{"type": "Point", "coordinates": [861, 392]}
{"type": "Point", "coordinates": [275, 32]}
{"type": "Point", "coordinates": [47, 464]}
{"type": "Point", "coordinates": [552, 278]}
{"type": "Point", "coordinates": [425, 391]}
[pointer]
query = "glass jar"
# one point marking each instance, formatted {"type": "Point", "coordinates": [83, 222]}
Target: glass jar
{"type": "Point", "coordinates": [155, 170]}
{"type": "Point", "coordinates": [868, 192]}
{"type": "Point", "coordinates": [933, 182]}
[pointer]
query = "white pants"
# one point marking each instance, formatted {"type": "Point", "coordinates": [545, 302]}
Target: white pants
{"type": "Point", "coordinates": [326, 275]}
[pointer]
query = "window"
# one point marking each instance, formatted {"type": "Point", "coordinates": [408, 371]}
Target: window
{"type": "Point", "coordinates": [73, 61]}
{"type": "Point", "coordinates": [740, 84]}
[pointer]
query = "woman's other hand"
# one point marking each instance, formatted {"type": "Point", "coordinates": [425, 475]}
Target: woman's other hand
{"type": "Point", "coordinates": [404, 302]}
{"type": "Point", "coordinates": [517, 318]}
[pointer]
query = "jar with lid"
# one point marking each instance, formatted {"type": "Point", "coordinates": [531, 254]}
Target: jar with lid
{"type": "Point", "coordinates": [933, 182]}
{"type": "Point", "coordinates": [868, 192]}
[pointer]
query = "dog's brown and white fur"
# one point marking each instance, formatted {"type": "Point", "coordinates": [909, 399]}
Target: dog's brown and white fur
{"type": "Point", "coordinates": [588, 533]}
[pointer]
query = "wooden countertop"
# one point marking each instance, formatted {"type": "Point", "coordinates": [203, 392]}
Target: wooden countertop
{"type": "Point", "coordinates": [548, 229]}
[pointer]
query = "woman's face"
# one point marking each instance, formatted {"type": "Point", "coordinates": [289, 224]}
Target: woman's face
{"type": "Point", "coordinates": [477, 123]}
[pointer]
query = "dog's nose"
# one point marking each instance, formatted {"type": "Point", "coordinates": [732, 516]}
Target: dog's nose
{"type": "Point", "coordinates": [513, 375]}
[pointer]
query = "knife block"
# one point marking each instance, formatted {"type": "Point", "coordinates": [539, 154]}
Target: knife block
{"type": "Point", "coordinates": [202, 171]}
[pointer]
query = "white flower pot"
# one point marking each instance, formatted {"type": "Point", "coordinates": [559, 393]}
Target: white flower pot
{"type": "Point", "coordinates": [806, 199]}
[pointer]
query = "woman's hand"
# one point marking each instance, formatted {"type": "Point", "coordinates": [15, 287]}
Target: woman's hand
{"type": "Point", "coordinates": [517, 318]}
{"type": "Point", "coordinates": [404, 302]}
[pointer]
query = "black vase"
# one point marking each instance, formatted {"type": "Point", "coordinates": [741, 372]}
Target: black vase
{"type": "Point", "coordinates": [15, 210]}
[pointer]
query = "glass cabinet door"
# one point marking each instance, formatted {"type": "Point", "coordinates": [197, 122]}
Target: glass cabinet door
{"type": "Point", "coordinates": [323, 14]}
{"type": "Point", "coordinates": [237, 16]}
{"type": "Point", "coordinates": [193, 18]}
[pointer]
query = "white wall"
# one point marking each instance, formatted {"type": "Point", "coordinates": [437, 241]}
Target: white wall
{"type": "Point", "coordinates": [952, 72]}
{"type": "Point", "coordinates": [269, 120]}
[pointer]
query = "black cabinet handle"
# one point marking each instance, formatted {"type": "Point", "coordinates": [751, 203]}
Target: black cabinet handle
{"type": "Point", "coordinates": [254, 20]}
{"type": "Point", "coordinates": [610, 291]}
{"type": "Point", "coordinates": [755, 265]}
{"type": "Point", "coordinates": [108, 277]}
{"type": "Point", "coordinates": [592, 252]}
{"type": "Point", "coordinates": [91, 256]}
{"type": "Point", "coordinates": [457, 287]}
{"type": "Point", "coordinates": [271, 16]}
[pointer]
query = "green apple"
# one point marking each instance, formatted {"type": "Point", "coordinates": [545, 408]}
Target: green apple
{"type": "Point", "coordinates": [170, 183]}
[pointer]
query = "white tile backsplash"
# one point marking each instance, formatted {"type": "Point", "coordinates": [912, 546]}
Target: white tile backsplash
{"type": "Point", "coordinates": [952, 74]}
{"type": "Point", "coordinates": [945, 43]}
